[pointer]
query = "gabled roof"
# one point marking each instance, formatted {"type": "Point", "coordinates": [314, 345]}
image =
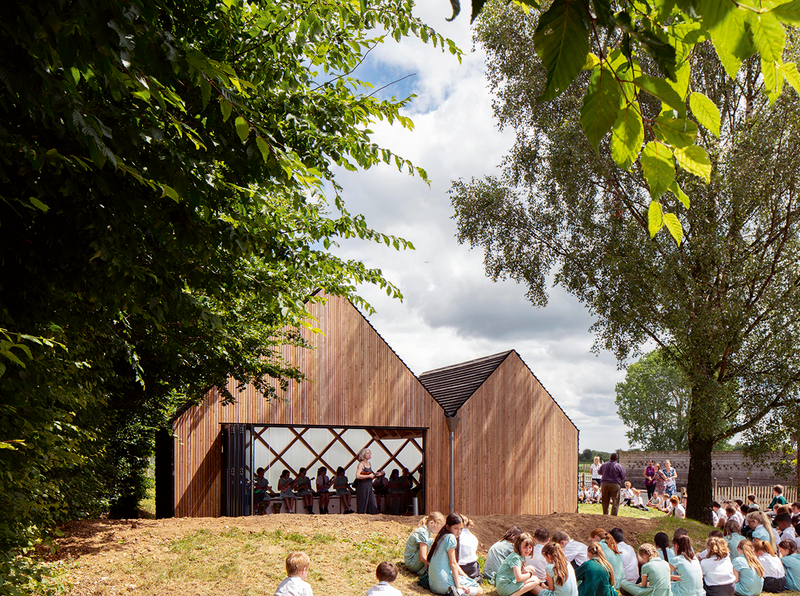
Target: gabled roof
{"type": "Point", "coordinates": [451, 386]}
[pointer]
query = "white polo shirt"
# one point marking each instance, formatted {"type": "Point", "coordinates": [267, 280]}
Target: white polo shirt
{"type": "Point", "coordinates": [629, 561]}
{"type": "Point", "coordinates": [575, 551]}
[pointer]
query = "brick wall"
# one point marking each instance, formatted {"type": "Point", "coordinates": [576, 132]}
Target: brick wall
{"type": "Point", "coordinates": [725, 465]}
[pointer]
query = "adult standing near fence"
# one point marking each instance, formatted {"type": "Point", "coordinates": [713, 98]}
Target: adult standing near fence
{"type": "Point", "coordinates": [365, 496]}
{"type": "Point", "coordinates": [595, 470]}
{"type": "Point", "coordinates": [650, 479]}
{"type": "Point", "coordinates": [612, 476]}
{"type": "Point", "coordinates": [670, 488]}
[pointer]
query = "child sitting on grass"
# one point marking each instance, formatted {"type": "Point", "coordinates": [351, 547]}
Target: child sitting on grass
{"type": "Point", "coordinates": [297, 564]}
{"type": "Point", "coordinates": [386, 574]}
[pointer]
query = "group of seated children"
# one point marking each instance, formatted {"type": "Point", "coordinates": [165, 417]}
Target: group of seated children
{"type": "Point", "coordinates": [445, 549]}
{"type": "Point", "coordinates": [393, 490]}
{"type": "Point", "coordinates": [297, 566]}
{"type": "Point", "coordinates": [634, 497]}
{"type": "Point", "coordinates": [290, 488]}
{"type": "Point", "coordinates": [556, 565]}
{"type": "Point", "coordinates": [784, 516]}
{"type": "Point", "coordinates": [590, 494]}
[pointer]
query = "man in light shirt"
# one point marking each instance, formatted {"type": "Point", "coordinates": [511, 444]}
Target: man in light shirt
{"type": "Point", "coordinates": [630, 562]}
{"type": "Point", "coordinates": [574, 551]}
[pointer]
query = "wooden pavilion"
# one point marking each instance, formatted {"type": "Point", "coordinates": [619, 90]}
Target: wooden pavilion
{"type": "Point", "coordinates": [515, 450]}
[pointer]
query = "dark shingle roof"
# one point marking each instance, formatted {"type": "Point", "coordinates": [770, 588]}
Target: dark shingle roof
{"type": "Point", "coordinates": [451, 386]}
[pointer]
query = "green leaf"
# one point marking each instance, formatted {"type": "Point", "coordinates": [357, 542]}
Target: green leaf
{"type": "Point", "coordinates": [788, 12]}
{"type": "Point", "coordinates": [226, 108]}
{"type": "Point", "coordinates": [627, 135]}
{"type": "Point", "coordinates": [658, 167]}
{"type": "Point", "coordinates": [242, 128]}
{"type": "Point", "coordinates": [724, 22]}
{"type": "Point", "coordinates": [773, 79]}
{"type": "Point", "coordinates": [600, 105]}
{"type": "Point", "coordinates": [678, 132]}
{"type": "Point", "coordinates": [769, 36]}
{"type": "Point", "coordinates": [661, 89]}
{"type": "Point", "coordinates": [675, 189]}
{"type": "Point", "coordinates": [655, 218]}
{"type": "Point", "coordinates": [263, 147]}
{"type": "Point", "coordinates": [705, 111]}
{"type": "Point", "coordinates": [456, 6]}
{"type": "Point", "coordinates": [477, 5]}
{"type": "Point", "coordinates": [789, 72]}
{"type": "Point", "coordinates": [681, 82]}
{"type": "Point", "coordinates": [39, 205]}
{"type": "Point", "coordinates": [562, 42]}
{"type": "Point", "coordinates": [662, 53]}
{"type": "Point", "coordinates": [674, 226]}
{"type": "Point", "coordinates": [694, 159]}
{"type": "Point", "coordinates": [205, 90]}
{"type": "Point", "coordinates": [602, 8]}
{"type": "Point", "coordinates": [591, 62]}
{"type": "Point", "coordinates": [168, 191]}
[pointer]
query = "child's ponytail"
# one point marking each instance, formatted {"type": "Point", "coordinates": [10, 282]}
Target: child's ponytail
{"type": "Point", "coordinates": [560, 563]}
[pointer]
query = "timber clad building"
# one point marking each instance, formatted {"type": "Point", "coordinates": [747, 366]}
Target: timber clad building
{"type": "Point", "coordinates": [515, 450]}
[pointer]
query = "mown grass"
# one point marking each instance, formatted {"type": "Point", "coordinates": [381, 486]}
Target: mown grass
{"type": "Point", "coordinates": [597, 509]}
{"type": "Point", "coordinates": [238, 561]}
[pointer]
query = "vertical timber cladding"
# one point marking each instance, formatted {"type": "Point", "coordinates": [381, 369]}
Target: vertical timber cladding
{"type": "Point", "coordinates": [354, 379]}
{"type": "Point", "coordinates": [516, 450]}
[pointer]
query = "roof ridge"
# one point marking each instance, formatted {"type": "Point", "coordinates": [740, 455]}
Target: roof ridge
{"type": "Point", "coordinates": [451, 386]}
{"type": "Point", "coordinates": [465, 363]}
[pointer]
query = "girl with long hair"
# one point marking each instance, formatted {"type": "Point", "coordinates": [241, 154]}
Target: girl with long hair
{"type": "Point", "coordinates": [732, 536]}
{"type": "Point", "coordinates": [444, 574]}
{"type": "Point", "coordinates": [514, 578]}
{"type": "Point", "coordinates": [499, 551]}
{"type": "Point", "coordinates": [762, 529]}
{"type": "Point", "coordinates": [596, 576]}
{"type": "Point", "coordinates": [342, 486]}
{"type": "Point", "coordinates": [774, 572]}
{"type": "Point", "coordinates": [285, 486]}
{"type": "Point", "coordinates": [790, 559]}
{"type": "Point", "coordinates": [610, 551]}
{"type": "Point", "coordinates": [324, 489]}
{"type": "Point", "coordinates": [717, 567]}
{"type": "Point", "coordinates": [663, 549]}
{"type": "Point", "coordinates": [687, 575]}
{"type": "Point", "coordinates": [559, 574]}
{"type": "Point", "coordinates": [748, 571]}
{"type": "Point", "coordinates": [416, 551]}
{"type": "Point", "coordinates": [302, 488]}
{"type": "Point", "coordinates": [655, 575]}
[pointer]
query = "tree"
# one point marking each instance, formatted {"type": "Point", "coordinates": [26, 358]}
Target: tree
{"type": "Point", "coordinates": [723, 304]}
{"type": "Point", "coordinates": [653, 402]}
{"type": "Point", "coordinates": [775, 440]}
{"type": "Point", "coordinates": [168, 201]}
{"type": "Point", "coordinates": [610, 39]}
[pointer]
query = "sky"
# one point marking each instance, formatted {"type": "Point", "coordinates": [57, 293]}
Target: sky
{"type": "Point", "coordinates": [451, 311]}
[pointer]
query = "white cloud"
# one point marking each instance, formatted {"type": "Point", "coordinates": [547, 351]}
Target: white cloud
{"type": "Point", "coordinates": [452, 312]}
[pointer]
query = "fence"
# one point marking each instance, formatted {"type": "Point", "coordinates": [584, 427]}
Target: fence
{"type": "Point", "coordinates": [726, 490]}
{"type": "Point", "coordinates": [763, 493]}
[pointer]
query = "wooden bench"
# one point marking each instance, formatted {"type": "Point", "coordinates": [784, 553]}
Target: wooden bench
{"type": "Point", "coordinates": [276, 505]}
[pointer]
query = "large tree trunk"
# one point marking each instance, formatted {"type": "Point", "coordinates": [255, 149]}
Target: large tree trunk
{"type": "Point", "coordinates": [699, 484]}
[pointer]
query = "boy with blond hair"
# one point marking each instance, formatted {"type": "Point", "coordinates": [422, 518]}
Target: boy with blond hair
{"type": "Point", "coordinates": [297, 564]}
